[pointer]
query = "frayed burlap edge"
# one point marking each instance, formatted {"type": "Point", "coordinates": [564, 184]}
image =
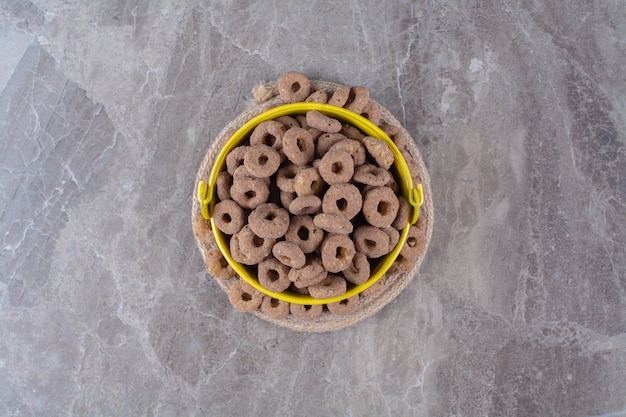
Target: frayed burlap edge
{"type": "Point", "coordinates": [266, 97]}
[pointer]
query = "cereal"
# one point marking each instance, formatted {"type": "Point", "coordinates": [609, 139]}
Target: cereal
{"type": "Point", "coordinates": [336, 167]}
{"type": "Point", "coordinates": [228, 217]}
{"type": "Point", "coordinates": [306, 204]}
{"type": "Point", "coordinates": [304, 312]}
{"type": "Point", "coordinates": [326, 141]}
{"type": "Point", "coordinates": [396, 134]}
{"type": "Point", "coordinates": [298, 146]}
{"type": "Point", "coordinates": [272, 274]}
{"type": "Point", "coordinates": [343, 199]}
{"type": "Point", "coordinates": [217, 265]}
{"type": "Point", "coordinates": [371, 241]}
{"type": "Point", "coordinates": [351, 132]}
{"type": "Point", "coordinates": [261, 161]}
{"type": "Point", "coordinates": [333, 223]}
{"type": "Point", "coordinates": [234, 159]}
{"type": "Point", "coordinates": [288, 121]}
{"type": "Point", "coordinates": [337, 252]}
{"type": "Point", "coordinates": [289, 253]}
{"type": "Point", "coordinates": [371, 174]}
{"type": "Point", "coordinates": [241, 300]}
{"type": "Point", "coordinates": [414, 244]}
{"type": "Point", "coordinates": [394, 236]}
{"type": "Point", "coordinates": [331, 286]}
{"type": "Point", "coordinates": [309, 182]}
{"type": "Point", "coordinates": [358, 99]}
{"type": "Point", "coordinates": [268, 133]}
{"type": "Point", "coordinates": [304, 233]}
{"type": "Point", "coordinates": [380, 206]}
{"type": "Point", "coordinates": [286, 198]}
{"type": "Point", "coordinates": [253, 247]}
{"type": "Point", "coordinates": [371, 112]}
{"type": "Point", "coordinates": [314, 133]}
{"type": "Point", "coordinates": [317, 97]}
{"type": "Point", "coordinates": [237, 254]}
{"type": "Point", "coordinates": [322, 122]}
{"type": "Point", "coordinates": [223, 183]}
{"type": "Point", "coordinates": [353, 147]}
{"type": "Point", "coordinates": [269, 221]}
{"type": "Point", "coordinates": [286, 176]}
{"type": "Point", "coordinates": [359, 270]}
{"type": "Point", "coordinates": [202, 229]}
{"type": "Point", "coordinates": [402, 218]}
{"type": "Point", "coordinates": [293, 87]}
{"type": "Point", "coordinates": [340, 96]}
{"type": "Point", "coordinates": [343, 307]}
{"type": "Point", "coordinates": [401, 264]}
{"type": "Point", "coordinates": [376, 288]}
{"type": "Point", "coordinates": [242, 173]}
{"type": "Point", "coordinates": [250, 192]}
{"type": "Point", "coordinates": [310, 274]}
{"type": "Point", "coordinates": [302, 121]}
{"type": "Point", "coordinates": [379, 151]}
{"type": "Point", "coordinates": [274, 308]}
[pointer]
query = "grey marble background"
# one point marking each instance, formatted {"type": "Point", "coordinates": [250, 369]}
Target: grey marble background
{"type": "Point", "coordinates": [107, 108]}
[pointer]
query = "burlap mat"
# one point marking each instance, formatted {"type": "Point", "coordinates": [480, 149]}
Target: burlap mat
{"type": "Point", "coordinates": [390, 285]}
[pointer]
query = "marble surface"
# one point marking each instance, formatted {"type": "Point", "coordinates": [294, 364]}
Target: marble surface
{"type": "Point", "coordinates": [107, 108]}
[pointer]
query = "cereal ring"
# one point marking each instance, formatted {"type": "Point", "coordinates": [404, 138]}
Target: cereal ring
{"type": "Point", "coordinates": [326, 141]}
{"type": "Point", "coordinates": [380, 206]}
{"type": "Point", "coordinates": [357, 99]}
{"type": "Point", "coordinates": [222, 184]}
{"type": "Point", "coordinates": [402, 218]}
{"type": "Point", "coordinates": [289, 253]}
{"type": "Point", "coordinates": [331, 286]}
{"type": "Point", "coordinates": [293, 87]}
{"type": "Point", "coordinates": [340, 96]}
{"type": "Point", "coordinates": [304, 233]}
{"type": "Point", "coordinates": [343, 307]}
{"type": "Point", "coordinates": [274, 308]}
{"type": "Point", "coordinates": [249, 288]}
{"type": "Point", "coordinates": [371, 241]}
{"type": "Point", "coordinates": [401, 264]}
{"type": "Point", "coordinates": [337, 252]}
{"type": "Point", "coordinates": [286, 198]}
{"type": "Point", "coordinates": [336, 167]}
{"type": "Point", "coordinates": [359, 270]}
{"type": "Point", "coordinates": [371, 112]}
{"type": "Point", "coordinates": [217, 265]}
{"type": "Point", "coordinates": [288, 121]}
{"type": "Point", "coordinates": [314, 133]}
{"type": "Point", "coordinates": [242, 173]}
{"type": "Point", "coordinates": [371, 174]}
{"type": "Point", "coordinates": [234, 159]}
{"type": "Point", "coordinates": [396, 134]}
{"type": "Point", "coordinates": [322, 122]}
{"type": "Point", "coordinates": [305, 313]}
{"type": "Point", "coordinates": [269, 221]}
{"type": "Point", "coordinates": [414, 245]}
{"type": "Point", "coordinates": [303, 290]}
{"type": "Point", "coordinates": [333, 223]}
{"type": "Point", "coordinates": [302, 120]}
{"type": "Point", "coordinates": [309, 182]}
{"type": "Point", "coordinates": [394, 236]}
{"type": "Point", "coordinates": [202, 229]}
{"type": "Point", "coordinates": [379, 151]}
{"type": "Point", "coordinates": [310, 274]}
{"type": "Point", "coordinates": [268, 133]}
{"type": "Point", "coordinates": [285, 177]}
{"type": "Point", "coordinates": [272, 274]}
{"type": "Point", "coordinates": [228, 217]}
{"type": "Point", "coordinates": [253, 247]}
{"type": "Point", "coordinates": [237, 254]}
{"type": "Point", "coordinates": [250, 192]}
{"type": "Point", "coordinates": [353, 147]}
{"type": "Point", "coordinates": [306, 204]}
{"type": "Point", "coordinates": [316, 163]}
{"type": "Point", "coordinates": [376, 288]}
{"type": "Point", "coordinates": [351, 132]}
{"type": "Point", "coordinates": [243, 301]}
{"type": "Point", "coordinates": [261, 161]}
{"type": "Point", "coordinates": [317, 97]}
{"type": "Point", "coordinates": [344, 199]}
{"type": "Point", "coordinates": [298, 146]}
{"type": "Point", "coordinates": [395, 187]}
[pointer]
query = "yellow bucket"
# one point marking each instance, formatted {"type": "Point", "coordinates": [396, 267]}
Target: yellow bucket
{"type": "Point", "coordinates": [207, 195]}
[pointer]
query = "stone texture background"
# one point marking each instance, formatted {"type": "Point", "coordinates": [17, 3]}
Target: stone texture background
{"type": "Point", "coordinates": [106, 110]}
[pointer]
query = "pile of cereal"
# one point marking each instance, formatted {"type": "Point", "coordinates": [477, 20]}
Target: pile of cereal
{"type": "Point", "coordinates": [310, 204]}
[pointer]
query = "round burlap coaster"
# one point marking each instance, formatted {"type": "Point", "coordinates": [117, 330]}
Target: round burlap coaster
{"type": "Point", "coordinates": [392, 283]}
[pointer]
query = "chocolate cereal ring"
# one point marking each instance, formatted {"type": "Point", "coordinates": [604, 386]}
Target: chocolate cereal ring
{"type": "Point", "coordinates": [317, 97]}
{"type": "Point", "coordinates": [268, 133]}
{"type": "Point", "coordinates": [310, 274]}
{"type": "Point", "coordinates": [371, 112]}
{"type": "Point", "coordinates": [379, 151]}
{"type": "Point", "coordinates": [304, 233]}
{"type": "Point", "coordinates": [254, 247]}
{"type": "Point", "coordinates": [337, 252]}
{"type": "Point", "coordinates": [298, 146]}
{"type": "Point", "coordinates": [202, 229]}
{"type": "Point", "coordinates": [331, 286]}
{"type": "Point", "coordinates": [343, 199]}
{"type": "Point", "coordinates": [242, 173]}
{"type": "Point", "coordinates": [217, 265]}
{"type": "Point", "coordinates": [289, 253]}
{"type": "Point", "coordinates": [357, 99]}
{"type": "Point", "coordinates": [394, 236]}
{"type": "Point", "coordinates": [286, 198]}
{"type": "Point", "coordinates": [250, 192]}
{"type": "Point", "coordinates": [309, 182]}
{"type": "Point", "coordinates": [272, 274]}
{"type": "Point", "coordinates": [340, 96]}
{"type": "Point", "coordinates": [304, 312]}
{"type": "Point", "coordinates": [301, 118]}
{"type": "Point", "coordinates": [286, 176]}
{"type": "Point", "coordinates": [222, 184]}
{"type": "Point", "coordinates": [228, 217]}
{"type": "Point", "coordinates": [293, 87]}
{"type": "Point", "coordinates": [314, 133]}
{"type": "Point", "coordinates": [402, 218]}
{"type": "Point", "coordinates": [288, 121]}
{"type": "Point", "coordinates": [371, 174]}
{"type": "Point", "coordinates": [359, 270]}
{"type": "Point", "coordinates": [306, 204]}
{"type": "Point", "coordinates": [396, 134]}
{"type": "Point", "coordinates": [414, 245]}
{"type": "Point", "coordinates": [269, 221]}
{"type": "Point", "coordinates": [243, 301]}
{"type": "Point", "coordinates": [262, 161]}
{"type": "Point", "coordinates": [234, 159]}
{"type": "Point", "coordinates": [336, 167]}
{"type": "Point", "coordinates": [343, 307]}
{"type": "Point", "coordinates": [354, 148]}
{"type": "Point", "coordinates": [274, 308]}
{"type": "Point", "coordinates": [351, 132]}
{"type": "Point", "coordinates": [380, 206]}
{"type": "Point", "coordinates": [333, 223]}
{"type": "Point", "coordinates": [237, 254]}
{"type": "Point", "coordinates": [326, 141]}
{"type": "Point", "coordinates": [322, 122]}
{"type": "Point", "coordinates": [371, 241]}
